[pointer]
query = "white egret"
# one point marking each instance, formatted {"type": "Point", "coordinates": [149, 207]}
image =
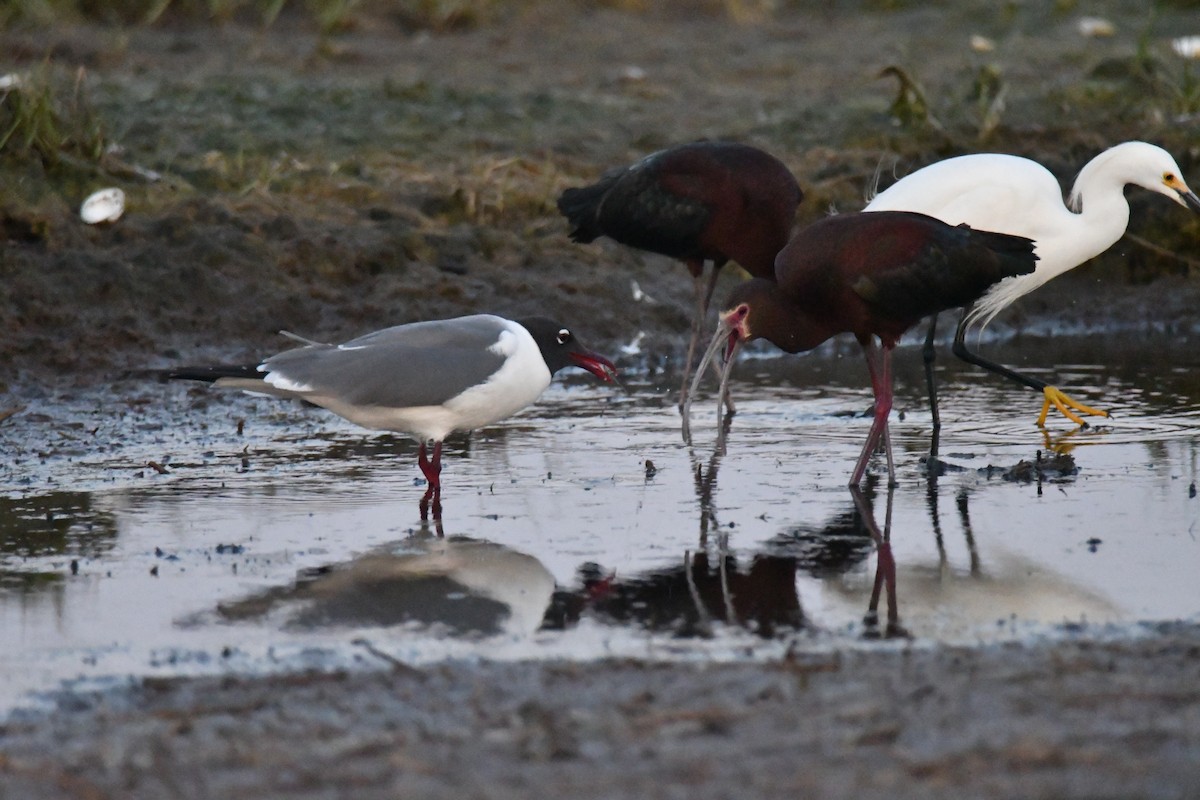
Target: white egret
{"type": "Point", "coordinates": [1015, 195]}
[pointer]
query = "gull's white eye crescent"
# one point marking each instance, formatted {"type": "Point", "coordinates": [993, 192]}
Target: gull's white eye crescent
{"type": "Point", "coordinates": [564, 336]}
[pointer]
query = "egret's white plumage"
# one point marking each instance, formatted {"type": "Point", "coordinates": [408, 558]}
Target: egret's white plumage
{"type": "Point", "coordinates": [1015, 195]}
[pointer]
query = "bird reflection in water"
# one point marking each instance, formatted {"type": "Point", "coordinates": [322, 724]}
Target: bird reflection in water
{"type": "Point", "coordinates": [688, 598]}
{"type": "Point", "coordinates": [992, 583]}
{"type": "Point", "coordinates": [885, 566]}
{"type": "Point", "coordinates": [843, 542]}
{"type": "Point", "coordinates": [431, 501]}
{"type": "Point", "coordinates": [704, 476]}
{"type": "Point", "coordinates": [457, 586]}
{"type": "Point", "coordinates": [712, 585]}
{"type": "Point", "coordinates": [1054, 463]}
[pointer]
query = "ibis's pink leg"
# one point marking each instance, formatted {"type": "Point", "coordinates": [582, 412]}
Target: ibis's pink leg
{"type": "Point", "coordinates": [712, 284]}
{"type": "Point", "coordinates": [879, 364]}
{"type": "Point", "coordinates": [698, 315]}
{"type": "Point", "coordinates": [704, 293]}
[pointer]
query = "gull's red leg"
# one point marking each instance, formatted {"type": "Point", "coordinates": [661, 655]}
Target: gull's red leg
{"type": "Point", "coordinates": [436, 464]}
{"type": "Point", "coordinates": [431, 469]}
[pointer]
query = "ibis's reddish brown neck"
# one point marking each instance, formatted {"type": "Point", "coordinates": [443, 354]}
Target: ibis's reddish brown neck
{"type": "Point", "coordinates": [778, 319]}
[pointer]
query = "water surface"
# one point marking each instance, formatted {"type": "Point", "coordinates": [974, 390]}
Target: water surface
{"type": "Point", "coordinates": [142, 533]}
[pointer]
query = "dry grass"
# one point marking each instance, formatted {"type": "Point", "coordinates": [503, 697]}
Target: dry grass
{"type": "Point", "coordinates": [332, 16]}
{"type": "Point", "coordinates": [45, 116]}
{"type": "Point", "coordinates": [329, 15]}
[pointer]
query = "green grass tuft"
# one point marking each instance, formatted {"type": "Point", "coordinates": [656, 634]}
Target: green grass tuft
{"type": "Point", "coordinates": [47, 117]}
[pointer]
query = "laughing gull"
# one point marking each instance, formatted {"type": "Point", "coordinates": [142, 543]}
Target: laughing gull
{"type": "Point", "coordinates": [424, 379]}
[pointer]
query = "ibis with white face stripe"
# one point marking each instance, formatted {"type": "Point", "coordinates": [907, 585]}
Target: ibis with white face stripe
{"type": "Point", "coordinates": [424, 379]}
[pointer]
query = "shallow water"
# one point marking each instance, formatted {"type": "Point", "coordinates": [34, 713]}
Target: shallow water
{"type": "Point", "coordinates": [297, 542]}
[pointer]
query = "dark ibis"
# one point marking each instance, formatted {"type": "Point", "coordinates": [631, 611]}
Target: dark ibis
{"type": "Point", "coordinates": [423, 379]}
{"type": "Point", "coordinates": [874, 275]}
{"type": "Point", "coordinates": [1015, 195]}
{"type": "Point", "coordinates": [699, 202]}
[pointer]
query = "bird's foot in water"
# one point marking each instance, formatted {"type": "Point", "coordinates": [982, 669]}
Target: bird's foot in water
{"type": "Point", "coordinates": [1064, 403]}
{"type": "Point", "coordinates": [432, 502]}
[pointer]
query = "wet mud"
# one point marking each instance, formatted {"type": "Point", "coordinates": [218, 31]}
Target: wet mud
{"type": "Point", "coordinates": [969, 627]}
{"type": "Point", "coordinates": [1098, 718]}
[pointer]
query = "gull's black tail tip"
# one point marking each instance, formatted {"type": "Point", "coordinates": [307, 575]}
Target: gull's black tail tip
{"type": "Point", "coordinates": [206, 374]}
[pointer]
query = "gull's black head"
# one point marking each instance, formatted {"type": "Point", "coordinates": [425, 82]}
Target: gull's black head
{"type": "Point", "coordinates": [561, 349]}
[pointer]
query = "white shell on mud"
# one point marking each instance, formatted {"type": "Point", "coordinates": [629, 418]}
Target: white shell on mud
{"type": "Point", "coordinates": [633, 74]}
{"type": "Point", "coordinates": [982, 44]}
{"type": "Point", "coordinates": [106, 205]}
{"type": "Point", "coordinates": [1187, 46]}
{"type": "Point", "coordinates": [1095, 27]}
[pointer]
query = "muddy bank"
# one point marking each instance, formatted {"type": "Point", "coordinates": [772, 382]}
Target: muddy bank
{"type": "Point", "coordinates": [279, 178]}
{"type": "Point", "coordinates": [1083, 718]}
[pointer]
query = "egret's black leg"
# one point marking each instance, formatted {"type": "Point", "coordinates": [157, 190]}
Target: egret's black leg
{"type": "Point", "coordinates": [1052, 395]}
{"type": "Point", "coordinates": [929, 355]}
{"type": "Point", "coordinates": [960, 350]}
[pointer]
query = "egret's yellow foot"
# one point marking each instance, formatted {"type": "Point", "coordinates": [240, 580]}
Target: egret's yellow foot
{"type": "Point", "coordinates": [1064, 404]}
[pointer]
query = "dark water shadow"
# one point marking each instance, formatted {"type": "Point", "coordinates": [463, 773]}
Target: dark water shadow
{"type": "Point", "coordinates": [756, 591]}
{"type": "Point", "coordinates": [58, 523]}
{"type": "Point", "coordinates": [50, 528]}
{"type": "Point", "coordinates": [686, 599]}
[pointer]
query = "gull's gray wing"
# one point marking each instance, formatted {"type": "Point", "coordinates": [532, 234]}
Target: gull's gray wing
{"type": "Point", "coordinates": [420, 364]}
